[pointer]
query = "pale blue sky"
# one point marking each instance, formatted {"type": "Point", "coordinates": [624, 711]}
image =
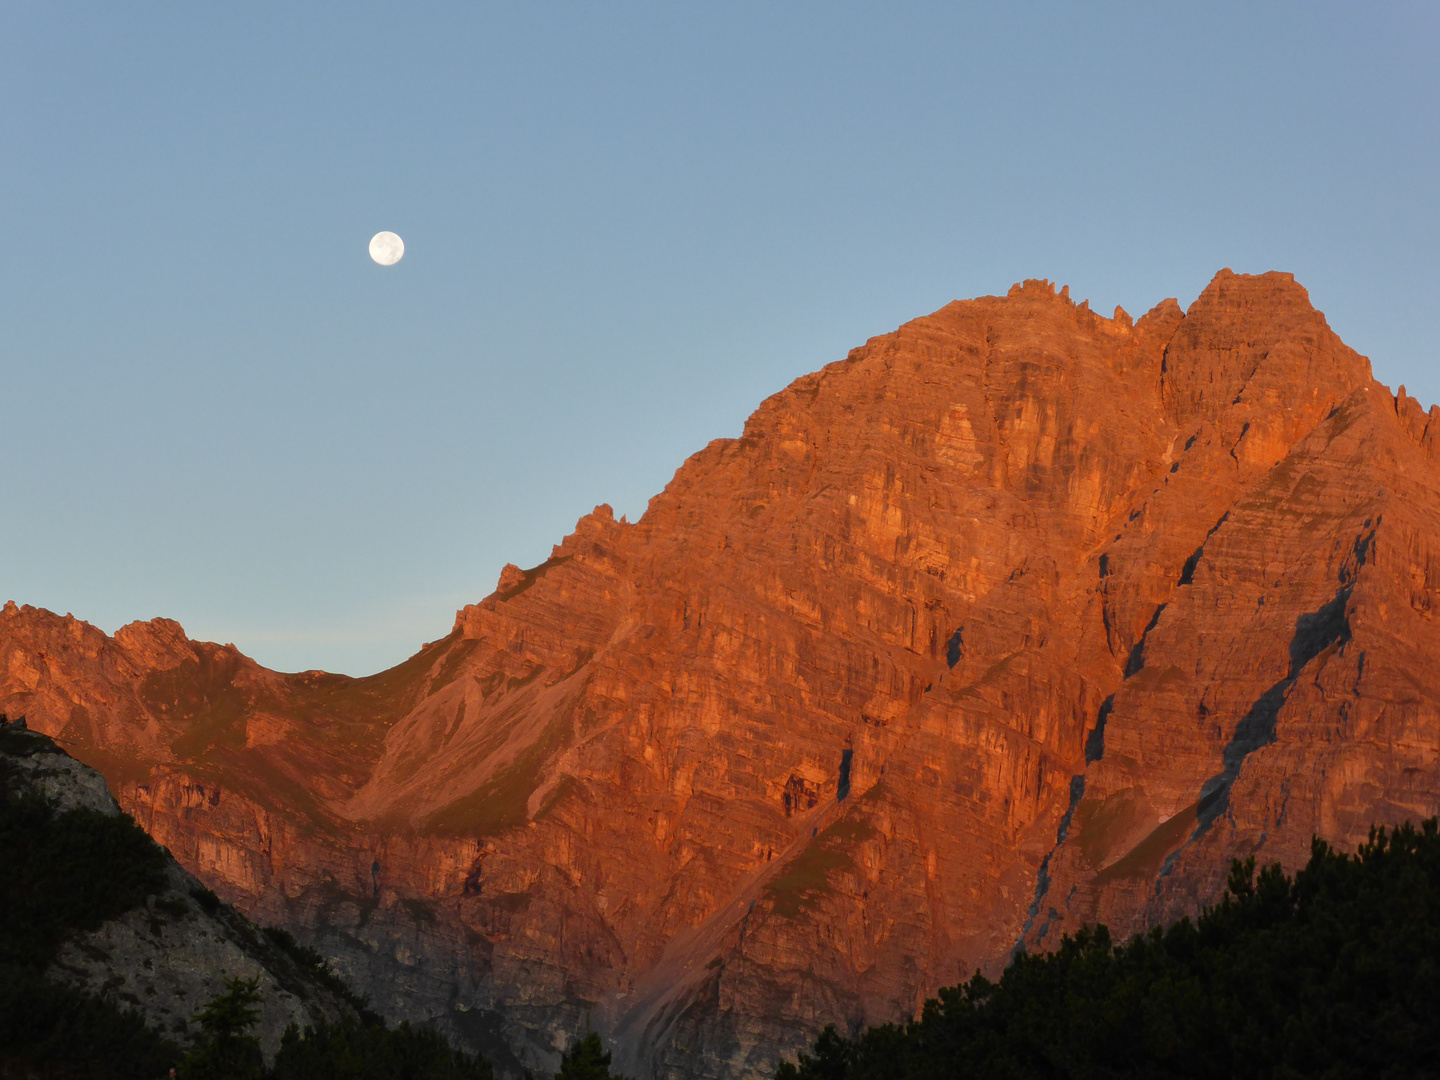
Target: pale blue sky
{"type": "Point", "coordinates": [625, 225]}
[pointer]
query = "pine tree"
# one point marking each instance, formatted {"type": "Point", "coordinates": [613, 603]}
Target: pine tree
{"type": "Point", "coordinates": [227, 1051]}
{"type": "Point", "coordinates": [586, 1060]}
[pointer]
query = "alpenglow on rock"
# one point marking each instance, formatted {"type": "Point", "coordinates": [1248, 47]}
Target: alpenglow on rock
{"type": "Point", "coordinates": [1017, 618]}
{"type": "Point", "coordinates": [164, 957]}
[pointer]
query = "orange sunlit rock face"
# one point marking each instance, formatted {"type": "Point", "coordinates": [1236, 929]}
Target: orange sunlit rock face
{"type": "Point", "coordinates": [1015, 619]}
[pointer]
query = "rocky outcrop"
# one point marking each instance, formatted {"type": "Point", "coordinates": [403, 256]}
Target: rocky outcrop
{"type": "Point", "coordinates": [170, 956]}
{"type": "Point", "coordinates": [1017, 618]}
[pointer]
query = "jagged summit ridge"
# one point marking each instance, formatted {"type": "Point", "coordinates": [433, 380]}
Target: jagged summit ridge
{"type": "Point", "coordinates": [1081, 607]}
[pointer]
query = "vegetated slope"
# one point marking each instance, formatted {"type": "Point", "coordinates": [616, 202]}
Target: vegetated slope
{"type": "Point", "coordinates": [1016, 619]}
{"type": "Point", "coordinates": [1331, 973]}
{"type": "Point", "coordinates": [114, 962]}
{"type": "Point", "coordinates": [108, 947]}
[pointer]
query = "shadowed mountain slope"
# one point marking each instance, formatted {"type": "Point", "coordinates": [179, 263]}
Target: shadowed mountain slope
{"type": "Point", "coordinates": [97, 922]}
{"type": "Point", "coordinates": [1018, 617]}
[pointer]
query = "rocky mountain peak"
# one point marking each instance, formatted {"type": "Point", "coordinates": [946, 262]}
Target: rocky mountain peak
{"type": "Point", "coordinates": [1015, 618]}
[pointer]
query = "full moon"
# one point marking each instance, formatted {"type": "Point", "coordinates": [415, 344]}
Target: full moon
{"type": "Point", "coordinates": [386, 248]}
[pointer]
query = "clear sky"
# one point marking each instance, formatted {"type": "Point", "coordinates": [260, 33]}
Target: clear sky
{"type": "Point", "coordinates": [625, 225]}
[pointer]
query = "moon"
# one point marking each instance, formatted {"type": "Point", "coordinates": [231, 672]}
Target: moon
{"type": "Point", "coordinates": [386, 248]}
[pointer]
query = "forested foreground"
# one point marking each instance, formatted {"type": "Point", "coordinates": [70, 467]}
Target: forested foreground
{"type": "Point", "coordinates": [1334, 973]}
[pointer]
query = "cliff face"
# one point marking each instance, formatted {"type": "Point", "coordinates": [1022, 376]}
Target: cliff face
{"type": "Point", "coordinates": [1017, 618]}
{"type": "Point", "coordinates": [167, 957]}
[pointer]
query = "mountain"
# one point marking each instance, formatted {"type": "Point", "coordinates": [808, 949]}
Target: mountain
{"type": "Point", "coordinates": [1016, 619]}
{"type": "Point", "coordinates": [96, 921]}
{"type": "Point", "coordinates": [1329, 974]}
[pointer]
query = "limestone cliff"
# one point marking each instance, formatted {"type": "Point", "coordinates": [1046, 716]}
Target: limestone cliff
{"type": "Point", "coordinates": [1018, 617]}
{"type": "Point", "coordinates": [168, 956]}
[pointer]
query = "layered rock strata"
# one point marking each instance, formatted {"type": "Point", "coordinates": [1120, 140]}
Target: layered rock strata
{"type": "Point", "coordinates": [1017, 618]}
{"type": "Point", "coordinates": [168, 957]}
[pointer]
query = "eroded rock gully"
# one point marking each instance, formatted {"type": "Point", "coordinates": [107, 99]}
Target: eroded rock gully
{"type": "Point", "coordinates": [1083, 607]}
